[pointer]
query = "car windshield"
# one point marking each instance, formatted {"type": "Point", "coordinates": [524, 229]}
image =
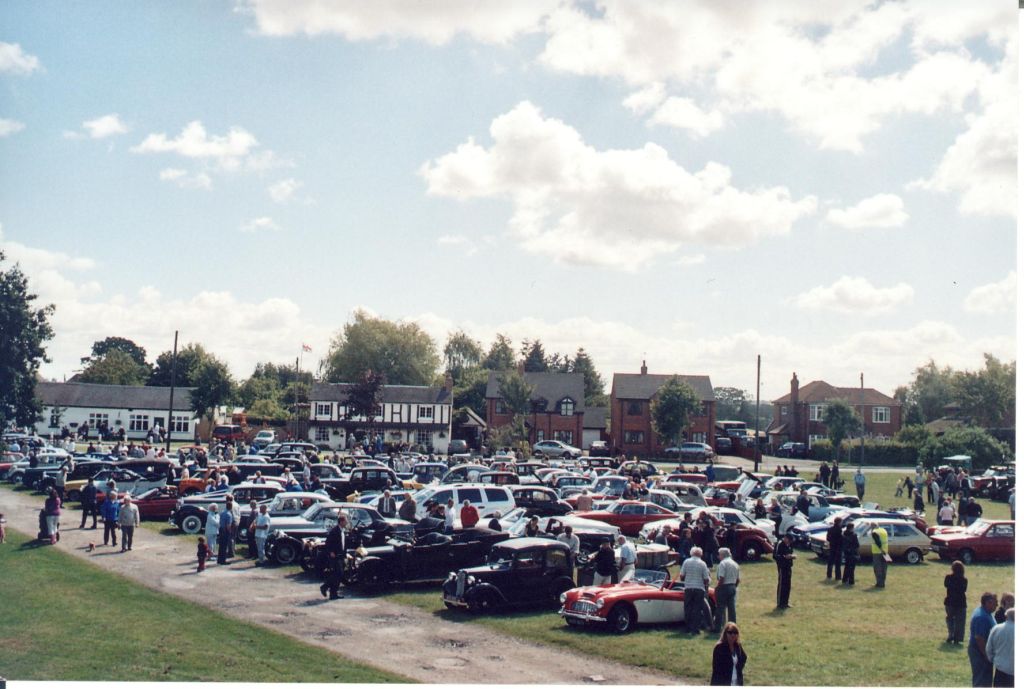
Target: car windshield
{"type": "Point", "coordinates": [977, 528]}
{"type": "Point", "coordinates": [499, 556]}
{"type": "Point", "coordinates": [650, 577]}
{"type": "Point", "coordinates": [310, 512]}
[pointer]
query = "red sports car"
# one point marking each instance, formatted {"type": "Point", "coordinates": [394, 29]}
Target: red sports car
{"type": "Point", "coordinates": [651, 598]}
{"type": "Point", "coordinates": [629, 515]}
{"type": "Point", "coordinates": [983, 540]}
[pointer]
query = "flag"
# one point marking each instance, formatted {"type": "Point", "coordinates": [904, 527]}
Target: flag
{"type": "Point", "coordinates": [306, 347]}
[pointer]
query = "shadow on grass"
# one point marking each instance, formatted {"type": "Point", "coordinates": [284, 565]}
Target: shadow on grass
{"type": "Point", "coordinates": [33, 544]}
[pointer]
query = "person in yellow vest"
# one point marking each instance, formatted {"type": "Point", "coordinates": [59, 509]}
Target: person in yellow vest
{"type": "Point", "coordinates": [880, 554]}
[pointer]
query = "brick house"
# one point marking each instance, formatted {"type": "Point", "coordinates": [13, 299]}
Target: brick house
{"type": "Point", "coordinates": [632, 429]}
{"type": "Point", "coordinates": [797, 417]}
{"type": "Point", "coordinates": [556, 406]}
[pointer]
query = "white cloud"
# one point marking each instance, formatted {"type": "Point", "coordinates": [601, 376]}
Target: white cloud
{"type": "Point", "coordinates": [683, 113]}
{"type": "Point", "coordinates": [228, 151]}
{"type": "Point", "coordinates": [8, 127]}
{"type": "Point", "coordinates": [435, 23]}
{"type": "Point", "coordinates": [995, 297]}
{"type": "Point", "coordinates": [855, 295]}
{"type": "Point", "coordinates": [646, 99]}
{"type": "Point", "coordinates": [286, 190]}
{"type": "Point", "coordinates": [458, 240]}
{"type": "Point", "coordinates": [616, 208]}
{"type": "Point", "coordinates": [107, 125]}
{"type": "Point", "coordinates": [881, 210]}
{"type": "Point", "coordinates": [15, 60]}
{"type": "Point", "coordinates": [261, 223]}
{"type": "Point", "coordinates": [184, 180]}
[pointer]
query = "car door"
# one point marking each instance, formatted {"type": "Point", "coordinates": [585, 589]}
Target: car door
{"type": "Point", "coordinates": [998, 542]}
{"type": "Point", "coordinates": [527, 581]}
{"type": "Point", "coordinates": [631, 518]}
{"type": "Point", "coordinates": [475, 497]}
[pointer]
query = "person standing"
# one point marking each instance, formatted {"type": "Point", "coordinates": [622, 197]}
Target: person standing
{"type": "Point", "coordinates": [212, 528]}
{"type": "Point", "coordinates": [202, 554]}
{"type": "Point", "coordinates": [784, 562]}
{"type": "Point", "coordinates": [834, 538]}
{"type": "Point", "coordinates": [334, 546]}
{"type": "Point", "coordinates": [725, 591]}
{"type": "Point", "coordinates": [880, 554]}
{"type": "Point", "coordinates": [261, 530]}
{"type": "Point", "coordinates": [408, 509]}
{"type": "Point", "coordinates": [232, 510]}
{"type": "Point", "coordinates": [605, 570]}
{"type": "Point", "coordinates": [585, 502]}
{"type": "Point", "coordinates": [468, 515]}
{"type": "Point", "coordinates": [627, 559]}
{"type": "Point", "coordinates": [696, 577]}
{"type": "Point", "coordinates": [955, 603]}
{"type": "Point", "coordinates": [728, 659]}
{"type": "Point", "coordinates": [111, 512]}
{"type": "Point", "coordinates": [223, 536]}
{"type": "Point", "coordinates": [89, 503]}
{"type": "Point", "coordinates": [851, 554]}
{"type": "Point", "coordinates": [982, 623]}
{"type": "Point", "coordinates": [51, 509]}
{"type": "Point", "coordinates": [61, 481]}
{"type": "Point", "coordinates": [860, 483]}
{"type": "Point", "coordinates": [999, 650]}
{"type": "Point", "coordinates": [250, 532]}
{"type": "Point", "coordinates": [449, 517]}
{"type": "Point", "coordinates": [1006, 602]}
{"type": "Point", "coordinates": [946, 513]}
{"type": "Point", "coordinates": [386, 505]}
{"type": "Point", "coordinates": [128, 520]}
{"type": "Point", "coordinates": [571, 540]}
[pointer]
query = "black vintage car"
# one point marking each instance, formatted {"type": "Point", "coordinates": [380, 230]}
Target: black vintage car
{"type": "Point", "coordinates": [366, 528]}
{"type": "Point", "coordinates": [519, 572]}
{"type": "Point", "coordinates": [540, 501]}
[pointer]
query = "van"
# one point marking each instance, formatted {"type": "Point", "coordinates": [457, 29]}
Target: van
{"type": "Point", "coordinates": [228, 433]}
{"type": "Point", "coordinates": [486, 498]}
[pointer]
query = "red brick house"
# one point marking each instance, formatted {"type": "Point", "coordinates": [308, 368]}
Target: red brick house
{"type": "Point", "coordinates": [556, 406]}
{"type": "Point", "coordinates": [632, 429]}
{"type": "Point", "coordinates": [798, 416]}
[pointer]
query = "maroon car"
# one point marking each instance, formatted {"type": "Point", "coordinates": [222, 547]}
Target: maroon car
{"type": "Point", "coordinates": [983, 540]}
{"type": "Point", "coordinates": [629, 515]}
{"type": "Point", "coordinates": [157, 503]}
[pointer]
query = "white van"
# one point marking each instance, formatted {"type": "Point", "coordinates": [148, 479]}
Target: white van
{"type": "Point", "coordinates": [487, 498]}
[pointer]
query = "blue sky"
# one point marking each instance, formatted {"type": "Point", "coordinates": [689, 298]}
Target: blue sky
{"type": "Point", "coordinates": [831, 185]}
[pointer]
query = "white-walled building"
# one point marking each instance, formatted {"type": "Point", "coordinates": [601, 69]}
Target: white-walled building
{"type": "Point", "coordinates": [413, 414]}
{"type": "Point", "coordinates": [136, 409]}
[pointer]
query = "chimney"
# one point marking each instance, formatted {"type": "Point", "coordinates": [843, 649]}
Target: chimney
{"type": "Point", "coordinates": [643, 368]}
{"type": "Point", "coordinates": [449, 382]}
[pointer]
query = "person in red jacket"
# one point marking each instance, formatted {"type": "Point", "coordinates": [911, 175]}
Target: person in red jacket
{"type": "Point", "coordinates": [468, 515]}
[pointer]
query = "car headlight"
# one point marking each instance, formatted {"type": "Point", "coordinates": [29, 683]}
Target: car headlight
{"type": "Point", "coordinates": [561, 598]}
{"type": "Point", "coordinates": [451, 576]}
{"type": "Point", "coordinates": [599, 603]}
{"type": "Point", "coordinates": [470, 580]}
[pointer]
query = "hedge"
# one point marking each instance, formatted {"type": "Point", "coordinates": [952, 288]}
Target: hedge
{"type": "Point", "coordinates": [877, 453]}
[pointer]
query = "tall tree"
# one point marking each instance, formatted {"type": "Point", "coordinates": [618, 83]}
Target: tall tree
{"type": "Point", "coordinates": [402, 351]}
{"type": "Point", "coordinates": [516, 393]}
{"type": "Point", "coordinates": [989, 395]}
{"type": "Point", "coordinates": [932, 389]}
{"type": "Point", "coordinates": [732, 403]}
{"type": "Point", "coordinates": [189, 358]}
{"type": "Point", "coordinates": [841, 421]}
{"type": "Point", "coordinates": [114, 367]}
{"type": "Point", "coordinates": [213, 386]}
{"type": "Point", "coordinates": [100, 348]}
{"type": "Point", "coordinates": [593, 383]}
{"type": "Point", "coordinates": [470, 391]}
{"type": "Point", "coordinates": [534, 359]}
{"type": "Point", "coordinates": [24, 330]}
{"type": "Point", "coordinates": [672, 407]}
{"type": "Point", "coordinates": [501, 356]}
{"type": "Point", "coordinates": [366, 393]}
{"type": "Point", "coordinates": [461, 353]}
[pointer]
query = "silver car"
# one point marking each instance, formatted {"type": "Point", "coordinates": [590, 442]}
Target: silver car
{"type": "Point", "coordinates": [556, 448]}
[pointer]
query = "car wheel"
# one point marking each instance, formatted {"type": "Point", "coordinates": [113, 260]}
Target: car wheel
{"type": "Point", "coordinates": [966, 556]}
{"type": "Point", "coordinates": [372, 575]}
{"type": "Point", "coordinates": [566, 455]}
{"type": "Point", "coordinates": [192, 524]}
{"type": "Point", "coordinates": [913, 556]}
{"type": "Point", "coordinates": [308, 562]}
{"type": "Point", "coordinates": [750, 552]}
{"type": "Point", "coordinates": [482, 603]}
{"type": "Point", "coordinates": [286, 553]}
{"type": "Point", "coordinates": [621, 619]}
{"type": "Point", "coordinates": [75, 495]}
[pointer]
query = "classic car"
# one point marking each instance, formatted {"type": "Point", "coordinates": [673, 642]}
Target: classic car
{"type": "Point", "coordinates": [688, 493]}
{"type": "Point", "coordinates": [649, 598]}
{"type": "Point", "coordinates": [906, 541]}
{"type": "Point", "coordinates": [464, 473]}
{"type": "Point", "coordinates": [284, 504]}
{"type": "Point", "coordinates": [571, 481]}
{"type": "Point", "coordinates": [792, 450]}
{"type": "Point", "coordinates": [527, 471]}
{"type": "Point", "coordinates": [156, 503]}
{"type": "Point", "coordinates": [610, 486]}
{"type": "Point", "coordinates": [539, 500]}
{"type": "Point", "coordinates": [629, 515]}
{"type": "Point", "coordinates": [127, 482]}
{"type": "Point", "coordinates": [751, 541]}
{"type": "Point", "coordinates": [728, 515]}
{"type": "Point", "coordinates": [599, 448]}
{"type": "Point", "coordinates": [687, 477]}
{"type": "Point", "coordinates": [429, 559]}
{"type": "Point", "coordinates": [190, 512]}
{"type": "Point", "coordinates": [519, 572]}
{"type": "Point", "coordinates": [801, 533]}
{"type": "Point", "coordinates": [591, 533]}
{"type": "Point", "coordinates": [985, 539]}
{"type": "Point", "coordinates": [500, 478]}
{"type": "Point", "coordinates": [425, 473]}
{"type": "Point", "coordinates": [691, 452]}
{"type": "Point", "coordinates": [82, 471]}
{"type": "Point", "coordinates": [374, 477]}
{"type": "Point", "coordinates": [995, 482]}
{"type": "Point", "coordinates": [645, 469]}
{"type": "Point", "coordinates": [365, 525]}
{"type": "Point", "coordinates": [594, 462]}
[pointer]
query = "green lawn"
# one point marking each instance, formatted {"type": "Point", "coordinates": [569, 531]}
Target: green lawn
{"type": "Point", "coordinates": [64, 619]}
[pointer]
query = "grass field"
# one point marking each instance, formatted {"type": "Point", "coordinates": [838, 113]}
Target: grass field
{"type": "Point", "coordinates": [64, 619]}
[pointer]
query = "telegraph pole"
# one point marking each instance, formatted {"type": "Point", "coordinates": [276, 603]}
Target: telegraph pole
{"type": "Point", "coordinates": [757, 419]}
{"type": "Point", "coordinates": [170, 404]}
{"type": "Point", "coordinates": [861, 462]}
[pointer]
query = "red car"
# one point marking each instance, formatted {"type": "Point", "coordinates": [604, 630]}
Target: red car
{"type": "Point", "coordinates": [699, 479]}
{"type": "Point", "coordinates": [629, 515]}
{"type": "Point", "coordinates": [982, 540]}
{"type": "Point", "coordinates": [652, 598]}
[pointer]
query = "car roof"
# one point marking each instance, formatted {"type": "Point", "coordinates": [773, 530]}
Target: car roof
{"type": "Point", "coordinates": [526, 542]}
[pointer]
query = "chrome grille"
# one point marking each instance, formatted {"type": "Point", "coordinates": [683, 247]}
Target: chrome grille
{"type": "Point", "coordinates": [460, 585]}
{"type": "Point", "coordinates": [585, 607]}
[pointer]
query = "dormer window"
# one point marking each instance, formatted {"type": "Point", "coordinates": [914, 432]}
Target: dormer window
{"type": "Point", "coordinates": [539, 405]}
{"type": "Point", "coordinates": [567, 407]}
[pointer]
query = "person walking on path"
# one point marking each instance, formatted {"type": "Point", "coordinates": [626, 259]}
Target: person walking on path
{"type": "Point", "coordinates": [955, 603]}
{"type": "Point", "coordinates": [334, 546]}
{"type": "Point", "coordinates": [61, 481]}
{"type": "Point", "coordinates": [851, 554]}
{"type": "Point", "coordinates": [111, 511]}
{"type": "Point", "coordinates": [51, 508]}
{"type": "Point", "coordinates": [128, 519]}
{"type": "Point", "coordinates": [223, 536]}
{"type": "Point", "coordinates": [860, 483]}
{"type": "Point", "coordinates": [999, 650]}
{"type": "Point", "coordinates": [834, 538]}
{"type": "Point", "coordinates": [982, 623]}
{"type": "Point", "coordinates": [212, 528]}
{"type": "Point", "coordinates": [784, 563]}
{"type": "Point", "coordinates": [880, 554]}
{"type": "Point", "coordinates": [261, 530]}
{"type": "Point", "coordinates": [725, 591]}
{"type": "Point", "coordinates": [728, 659]}
{"type": "Point", "coordinates": [89, 503]}
{"type": "Point", "coordinates": [202, 554]}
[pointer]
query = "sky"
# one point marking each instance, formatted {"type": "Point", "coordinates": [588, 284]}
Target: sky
{"type": "Point", "coordinates": [831, 185]}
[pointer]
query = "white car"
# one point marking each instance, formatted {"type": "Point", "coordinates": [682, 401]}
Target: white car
{"type": "Point", "coordinates": [729, 515]}
{"type": "Point", "coordinates": [556, 448]}
{"type": "Point", "coordinates": [487, 498]}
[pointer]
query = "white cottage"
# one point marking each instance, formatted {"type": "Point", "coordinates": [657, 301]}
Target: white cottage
{"type": "Point", "coordinates": [136, 409]}
{"type": "Point", "coordinates": [413, 414]}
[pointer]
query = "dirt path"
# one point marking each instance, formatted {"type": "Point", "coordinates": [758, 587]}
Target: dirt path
{"type": "Point", "coordinates": [393, 637]}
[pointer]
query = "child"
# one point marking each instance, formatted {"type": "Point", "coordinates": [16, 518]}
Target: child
{"type": "Point", "coordinates": [203, 552]}
{"type": "Point", "coordinates": [3, 528]}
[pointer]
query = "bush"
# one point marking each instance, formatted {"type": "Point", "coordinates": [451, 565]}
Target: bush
{"type": "Point", "coordinates": [983, 449]}
{"type": "Point", "coordinates": [876, 452]}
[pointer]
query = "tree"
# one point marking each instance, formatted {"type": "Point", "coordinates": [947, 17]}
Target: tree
{"type": "Point", "coordinates": [516, 394]}
{"type": "Point", "coordinates": [932, 389]}
{"type": "Point", "coordinates": [534, 359]}
{"type": "Point", "coordinates": [470, 391]}
{"type": "Point", "coordinates": [841, 421]}
{"type": "Point", "coordinates": [213, 386]}
{"type": "Point", "coordinates": [101, 348]}
{"type": "Point", "coordinates": [461, 353]}
{"type": "Point", "coordinates": [266, 409]}
{"type": "Point", "coordinates": [258, 388]}
{"type": "Point", "coordinates": [189, 358]}
{"type": "Point", "coordinates": [501, 356]}
{"type": "Point", "coordinates": [24, 330]}
{"type": "Point", "coordinates": [366, 394]}
{"type": "Point", "coordinates": [402, 351]}
{"type": "Point", "coordinates": [914, 434]}
{"type": "Point", "coordinates": [672, 407]}
{"type": "Point", "coordinates": [987, 396]}
{"type": "Point", "coordinates": [733, 403]}
{"type": "Point", "coordinates": [982, 448]}
{"type": "Point", "coordinates": [115, 367]}
{"type": "Point", "coordinates": [593, 384]}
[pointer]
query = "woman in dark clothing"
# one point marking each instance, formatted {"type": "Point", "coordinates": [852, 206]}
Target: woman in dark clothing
{"type": "Point", "coordinates": [956, 604]}
{"type": "Point", "coordinates": [851, 554]}
{"type": "Point", "coordinates": [728, 659]}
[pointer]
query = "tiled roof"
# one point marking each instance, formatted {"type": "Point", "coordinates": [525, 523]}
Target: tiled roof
{"type": "Point", "coordinates": [594, 417]}
{"type": "Point", "coordinates": [112, 396]}
{"type": "Point", "coordinates": [552, 387]}
{"type": "Point", "coordinates": [394, 394]}
{"type": "Point", "coordinates": [643, 386]}
{"type": "Point", "coordinates": [820, 391]}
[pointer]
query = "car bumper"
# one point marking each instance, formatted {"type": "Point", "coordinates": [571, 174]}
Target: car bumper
{"type": "Point", "coordinates": [453, 600]}
{"type": "Point", "coordinates": [582, 616]}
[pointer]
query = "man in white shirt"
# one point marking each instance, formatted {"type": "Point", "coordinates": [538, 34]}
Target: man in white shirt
{"type": "Point", "coordinates": [999, 649]}
{"type": "Point", "coordinates": [449, 517]}
{"type": "Point", "coordinates": [627, 559]}
{"type": "Point", "coordinates": [585, 502]}
{"type": "Point", "coordinates": [696, 577]}
{"type": "Point", "coordinates": [571, 540]}
{"type": "Point", "coordinates": [725, 591]}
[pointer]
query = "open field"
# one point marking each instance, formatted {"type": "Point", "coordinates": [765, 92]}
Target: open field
{"type": "Point", "coordinates": [65, 619]}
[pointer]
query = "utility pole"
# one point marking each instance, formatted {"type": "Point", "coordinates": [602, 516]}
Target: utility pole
{"type": "Point", "coordinates": [861, 463]}
{"type": "Point", "coordinates": [757, 419]}
{"type": "Point", "coordinates": [296, 432]}
{"type": "Point", "coordinates": [170, 404]}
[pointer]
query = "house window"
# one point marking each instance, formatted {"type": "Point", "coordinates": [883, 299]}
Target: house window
{"type": "Point", "coordinates": [323, 434]}
{"type": "Point", "coordinates": [815, 438]}
{"type": "Point", "coordinates": [817, 412]}
{"type": "Point", "coordinates": [423, 437]}
{"type": "Point", "coordinates": [323, 409]}
{"type": "Point", "coordinates": [633, 409]}
{"type": "Point", "coordinates": [179, 424]}
{"type": "Point", "coordinates": [634, 438]}
{"type": "Point", "coordinates": [378, 411]}
{"type": "Point", "coordinates": [881, 414]}
{"type": "Point", "coordinates": [539, 406]}
{"type": "Point", "coordinates": [54, 417]}
{"type": "Point", "coordinates": [784, 410]}
{"type": "Point", "coordinates": [425, 413]}
{"type": "Point", "coordinates": [500, 407]}
{"type": "Point", "coordinates": [699, 437]}
{"type": "Point", "coordinates": [95, 420]}
{"type": "Point", "coordinates": [138, 422]}
{"type": "Point", "coordinates": [567, 407]}
{"type": "Point", "coordinates": [564, 436]}
{"type": "Point", "coordinates": [540, 435]}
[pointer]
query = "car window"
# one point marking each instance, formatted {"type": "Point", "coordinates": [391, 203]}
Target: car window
{"type": "Point", "coordinates": [632, 509]}
{"type": "Point", "coordinates": [495, 495]}
{"type": "Point", "coordinates": [442, 497]}
{"type": "Point", "coordinates": [1001, 531]}
{"type": "Point", "coordinates": [359, 518]}
{"type": "Point", "coordinates": [530, 560]}
{"type": "Point", "coordinates": [905, 530]}
{"type": "Point", "coordinates": [471, 494]}
{"type": "Point", "coordinates": [556, 559]}
{"type": "Point", "coordinates": [540, 496]}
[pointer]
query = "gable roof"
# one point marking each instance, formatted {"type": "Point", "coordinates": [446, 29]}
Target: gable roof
{"type": "Point", "coordinates": [112, 396]}
{"type": "Point", "coordinates": [818, 391]}
{"type": "Point", "coordinates": [644, 386]}
{"type": "Point", "coordinates": [394, 394]}
{"type": "Point", "coordinates": [552, 387]}
{"type": "Point", "coordinates": [594, 417]}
